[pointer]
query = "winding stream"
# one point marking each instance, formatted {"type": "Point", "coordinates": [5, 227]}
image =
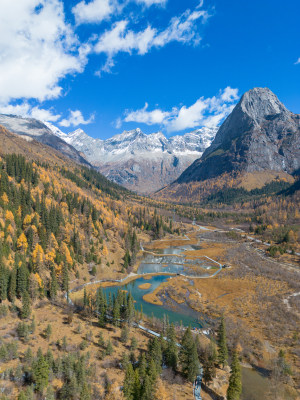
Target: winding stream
{"type": "Point", "coordinates": [169, 262]}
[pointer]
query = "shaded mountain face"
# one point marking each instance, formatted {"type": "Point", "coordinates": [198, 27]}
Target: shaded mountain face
{"type": "Point", "coordinates": [140, 162]}
{"type": "Point", "coordinates": [30, 128]}
{"type": "Point", "coordinates": [260, 134]}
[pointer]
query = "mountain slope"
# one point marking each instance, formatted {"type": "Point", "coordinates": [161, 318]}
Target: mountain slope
{"type": "Point", "coordinates": [259, 139]}
{"type": "Point", "coordinates": [34, 129]}
{"type": "Point", "coordinates": [141, 162]}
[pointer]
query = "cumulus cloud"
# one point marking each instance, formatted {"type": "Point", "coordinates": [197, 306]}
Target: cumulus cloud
{"type": "Point", "coordinates": [209, 112]}
{"type": "Point", "coordinates": [95, 11]}
{"type": "Point", "coordinates": [28, 111]}
{"type": "Point", "coordinates": [76, 118]}
{"type": "Point", "coordinates": [147, 117]}
{"type": "Point", "coordinates": [37, 49]}
{"type": "Point", "coordinates": [122, 39]}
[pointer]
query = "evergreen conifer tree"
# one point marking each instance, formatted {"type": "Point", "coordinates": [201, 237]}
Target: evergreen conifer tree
{"type": "Point", "coordinates": [12, 288]}
{"type": "Point", "coordinates": [129, 383]}
{"type": "Point", "coordinates": [26, 311]}
{"type": "Point", "coordinates": [222, 344]}
{"type": "Point", "coordinates": [40, 373]}
{"type": "Point", "coordinates": [234, 390]}
{"type": "Point", "coordinates": [188, 356]}
{"type": "Point", "coordinates": [53, 285]}
{"type": "Point", "coordinates": [171, 348]}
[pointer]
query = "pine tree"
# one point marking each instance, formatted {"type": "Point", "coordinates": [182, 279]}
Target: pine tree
{"type": "Point", "coordinates": [171, 348]}
{"type": "Point", "coordinates": [53, 285]}
{"type": "Point", "coordinates": [209, 370]}
{"type": "Point", "coordinates": [129, 383]}
{"type": "Point", "coordinates": [101, 342]}
{"type": "Point", "coordinates": [3, 283]}
{"type": "Point", "coordinates": [40, 373]}
{"type": "Point", "coordinates": [142, 366]}
{"type": "Point", "coordinates": [26, 311]}
{"type": "Point", "coordinates": [109, 348]}
{"type": "Point", "coordinates": [22, 396]}
{"type": "Point", "coordinates": [124, 334]}
{"type": "Point", "coordinates": [12, 287]}
{"type": "Point", "coordinates": [188, 356]}
{"type": "Point", "coordinates": [155, 353]}
{"type": "Point", "coordinates": [152, 372]}
{"type": "Point", "coordinates": [85, 393]}
{"type": "Point", "coordinates": [222, 344]}
{"type": "Point", "coordinates": [234, 390]}
{"type": "Point", "coordinates": [130, 310]}
{"type": "Point", "coordinates": [22, 280]}
{"type": "Point", "coordinates": [48, 332]}
{"type": "Point", "coordinates": [147, 389]}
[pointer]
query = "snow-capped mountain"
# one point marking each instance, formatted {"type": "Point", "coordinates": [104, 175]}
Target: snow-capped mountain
{"type": "Point", "coordinates": [141, 162]}
{"type": "Point", "coordinates": [30, 128]}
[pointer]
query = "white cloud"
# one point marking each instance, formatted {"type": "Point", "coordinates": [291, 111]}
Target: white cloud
{"type": "Point", "coordinates": [229, 94]}
{"type": "Point", "coordinates": [118, 123]}
{"type": "Point", "coordinates": [298, 61]}
{"type": "Point", "coordinates": [147, 117]}
{"type": "Point", "coordinates": [149, 3]}
{"type": "Point", "coordinates": [95, 11]}
{"type": "Point", "coordinates": [122, 39]}
{"type": "Point", "coordinates": [37, 49]}
{"type": "Point", "coordinates": [27, 111]}
{"type": "Point", "coordinates": [76, 118]}
{"type": "Point", "coordinates": [208, 112]}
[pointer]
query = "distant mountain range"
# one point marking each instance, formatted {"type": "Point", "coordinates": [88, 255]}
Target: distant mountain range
{"type": "Point", "coordinates": [140, 162]}
{"type": "Point", "coordinates": [260, 137]}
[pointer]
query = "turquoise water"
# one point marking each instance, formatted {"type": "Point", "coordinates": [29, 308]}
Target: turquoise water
{"type": "Point", "coordinates": [183, 313]}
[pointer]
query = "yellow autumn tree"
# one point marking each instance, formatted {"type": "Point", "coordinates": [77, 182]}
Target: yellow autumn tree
{"type": "Point", "coordinates": [9, 216]}
{"type": "Point", "coordinates": [66, 253]}
{"type": "Point", "coordinates": [37, 256]}
{"type": "Point", "coordinates": [105, 251]}
{"type": "Point", "coordinates": [22, 243]}
{"type": "Point", "coordinates": [26, 221]}
{"type": "Point", "coordinates": [4, 198]}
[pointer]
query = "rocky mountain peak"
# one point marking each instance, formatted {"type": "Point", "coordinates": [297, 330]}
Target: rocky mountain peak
{"type": "Point", "coordinates": [260, 134]}
{"type": "Point", "coordinates": [255, 106]}
{"type": "Point", "coordinates": [258, 103]}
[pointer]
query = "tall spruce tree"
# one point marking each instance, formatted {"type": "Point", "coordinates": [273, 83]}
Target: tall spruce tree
{"type": "Point", "coordinates": [26, 310]}
{"type": "Point", "coordinates": [129, 383]}
{"type": "Point", "coordinates": [234, 390]}
{"type": "Point", "coordinates": [188, 356]}
{"type": "Point", "coordinates": [171, 352]}
{"type": "Point", "coordinates": [12, 287]}
{"type": "Point", "coordinates": [40, 373]}
{"type": "Point", "coordinates": [222, 344]}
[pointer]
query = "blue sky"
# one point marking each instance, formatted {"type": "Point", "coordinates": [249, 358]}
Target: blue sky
{"type": "Point", "coordinates": [171, 65]}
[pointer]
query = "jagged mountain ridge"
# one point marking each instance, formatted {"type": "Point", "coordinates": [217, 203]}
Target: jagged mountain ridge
{"type": "Point", "coordinates": [33, 129]}
{"type": "Point", "coordinates": [138, 161]}
{"type": "Point", "coordinates": [259, 135]}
